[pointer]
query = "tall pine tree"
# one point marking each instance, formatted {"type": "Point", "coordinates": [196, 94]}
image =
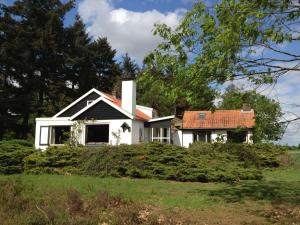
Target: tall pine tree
{"type": "Point", "coordinates": [45, 65]}
{"type": "Point", "coordinates": [35, 39]}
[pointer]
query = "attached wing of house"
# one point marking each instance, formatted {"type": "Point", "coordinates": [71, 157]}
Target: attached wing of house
{"type": "Point", "coordinates": [100, 118]}
{"type": "Point", "coordinates": [219, 125]}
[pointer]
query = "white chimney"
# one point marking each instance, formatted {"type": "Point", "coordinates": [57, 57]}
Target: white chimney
{"type": "Point", "coordinates": [129, 96]}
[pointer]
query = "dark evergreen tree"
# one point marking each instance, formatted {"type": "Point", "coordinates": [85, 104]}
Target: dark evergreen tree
{"type": "Point", "coordinates": [35, 39]}
{"type": "Point", "coordinates": [44, 65]}
{"type": "Point", "coordinates": [129, 68]}
{"type": "Point", "coordinates": [103, 65]}
{"type": "Point", "coordinates": [89, 64]}
{"type": "Point", "coordinates": [78, 58]}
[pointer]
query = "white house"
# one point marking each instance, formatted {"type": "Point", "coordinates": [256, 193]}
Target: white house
{"type": "Point", "coordinates": [100, 118]}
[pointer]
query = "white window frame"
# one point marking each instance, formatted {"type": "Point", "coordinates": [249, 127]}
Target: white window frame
{"type": "Point", "coordinates": [44, 133]}
{"type": "Point", "coordinates": [160, 136]}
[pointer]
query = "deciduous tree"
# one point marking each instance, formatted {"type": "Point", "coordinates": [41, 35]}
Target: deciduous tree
{"type": "Point", "coordinates": [268, 114]}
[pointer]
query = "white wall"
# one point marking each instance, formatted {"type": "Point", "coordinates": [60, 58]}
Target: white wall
{"type": "Point", "coordinates": [187, 138]}
{"type": "Point", "coordinates": [114, 126]}
{"type": "Point", "coordinates": [46, 122]}
{"type": "Point", "coordinates": [137, 127]}
{"type": "Point", "coordinates": [177, 137]}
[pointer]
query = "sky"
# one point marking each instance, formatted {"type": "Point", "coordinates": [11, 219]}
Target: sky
{"type": "Point", "coordinates": [128, 25]}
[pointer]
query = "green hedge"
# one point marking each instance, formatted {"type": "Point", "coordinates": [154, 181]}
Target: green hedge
{"type": "Point", "coordinates": [58, 160]}
{"type": "Point", "coordinates": [259, 155]}
{"type": "Point", "coordinates": [200, 162]}
{"type": "Point", "coordinates": [12, 154]}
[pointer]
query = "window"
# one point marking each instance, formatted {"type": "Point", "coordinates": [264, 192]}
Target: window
{"type": "Point", "coordinates": [161, 134]}
{"type": "Point", "coordinates": [202, 136]}
{"type": "Point", "coordinates": [88, 102]}
{"type": "Point", "coordinates": [141, 135]}
{"type": "Point", "coordinates": [97, 133]}
{"type": "Point", "coordinates": [236, 137]}
{"type": "Point", "coordinates": [44, 135]}
{"type": "Point", "coordinates": [60, 134]}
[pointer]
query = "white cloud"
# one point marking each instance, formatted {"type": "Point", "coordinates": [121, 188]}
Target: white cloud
{"type": "Point", "coordinates": [127, 31]}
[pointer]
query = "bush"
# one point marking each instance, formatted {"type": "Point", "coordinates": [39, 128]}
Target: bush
{"type": "Point", "coordinates": [12, 154]}
{"type": "Point", "coordinates": [259, 155]}
{"type": "Point", "coordinates": [58, 160]}
{"type": "Point", "coordinates": [200, 162]}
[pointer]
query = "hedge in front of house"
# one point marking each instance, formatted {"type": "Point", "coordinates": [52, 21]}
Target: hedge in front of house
{"type": "Point", "coordinates": [55, 160]}
{"type": "Point", "coordinates": [200, 162]}
{"type": "Point", "coordinates": [12, 154]}
{"type": "Point", "coordinates": [168, 162]}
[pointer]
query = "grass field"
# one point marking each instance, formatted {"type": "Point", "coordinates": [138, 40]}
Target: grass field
{"type": "Point", "coordinates": [274, 200]}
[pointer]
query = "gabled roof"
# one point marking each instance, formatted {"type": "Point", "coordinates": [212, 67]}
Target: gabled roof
{"type": "Point", "coordinates": [107, 102]}
{"type": "Point", "coordinates": [139, 115]}
{"type": "Point", "coordinates": [220, 119]}
{"type": "Point", "coordinates": [110, 99]}
{"type": "Point", "coordinates": [78, 100]}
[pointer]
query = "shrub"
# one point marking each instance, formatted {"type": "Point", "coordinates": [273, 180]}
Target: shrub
{"type": "Point", "coordinates": [161, 161]}
{"type": "Point", "coordinates": [12, 154]}
{"type": "Point", "coordinates": [259, 155]}
{"type": "Point", "coordinates": [59, 160]}
{"type": "Point", "coordinates": [201, 162]}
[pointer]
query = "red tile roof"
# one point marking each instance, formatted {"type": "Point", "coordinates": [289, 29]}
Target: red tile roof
{"type": "Point", "coordinates": [139, 115]}
{"type": "Point", "coordinates": [219, 119]}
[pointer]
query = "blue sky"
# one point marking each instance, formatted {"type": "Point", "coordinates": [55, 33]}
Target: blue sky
{"type": "Point", "coordinates": [128, 26]}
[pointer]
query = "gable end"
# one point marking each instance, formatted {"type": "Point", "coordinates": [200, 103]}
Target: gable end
{"type": "Point", "coordinates": [101, 111]}
{"type": "Point", "coordinates": [79, 105]}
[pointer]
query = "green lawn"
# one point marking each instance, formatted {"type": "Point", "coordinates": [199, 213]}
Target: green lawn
{"type": "Point", "coordinates": [162, 193]}
{"type": "Point", "coordinates": [279, 186]}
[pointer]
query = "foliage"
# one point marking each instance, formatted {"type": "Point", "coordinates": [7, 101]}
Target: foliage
{"type": "Point", "coordinates": [262, 155]}
{"type": "Point", "coordinates": [173, 79]}
{"type": "Point", "coordinates": [60, 160]}
{"type": "Point", "coordinates": [215, 43]}
{"type": "Point", "coordinates": [129, 71]}
{"type": "Point", "coordinates": [223, 42]}
{"type": "Point", "coordinates": [200, 162]}
{"type": "Point", "coordinates": [12, 154]}
{"type": "Point", "coordinates": [46, 65]}
{"type": "Point", "coordinates": [267, 112]}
